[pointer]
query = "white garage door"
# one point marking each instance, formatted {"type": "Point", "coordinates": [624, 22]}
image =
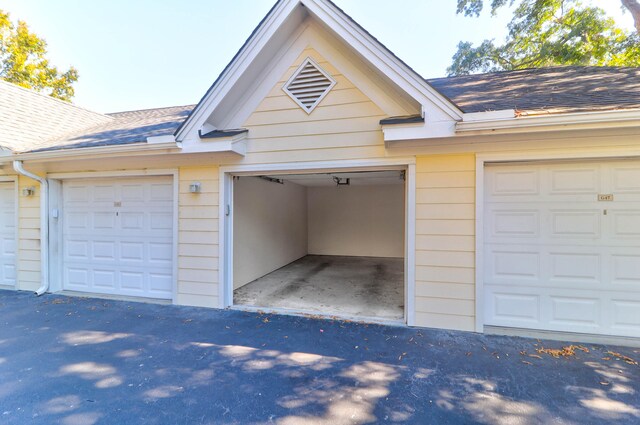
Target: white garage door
{"type": "Point", "coordinates": [562, 247]}
{"type": "Point", "coordinates": [7, 234]}
{"type": "Point", "coordinates": [118, 236]}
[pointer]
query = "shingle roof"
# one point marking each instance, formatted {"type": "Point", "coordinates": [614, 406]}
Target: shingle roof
{"type": "Point", "coordinates": [123, 128]}
{"type": "Point", "coordinates": [28, 118]}
{"type": "Point", "coordinates": [545, 90]}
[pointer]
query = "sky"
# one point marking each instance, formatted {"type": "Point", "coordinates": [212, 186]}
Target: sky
{"type": "Point", "coordinates": [137, 54]}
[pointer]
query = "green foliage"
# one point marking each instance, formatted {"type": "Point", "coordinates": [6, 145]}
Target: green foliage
{"type": "Point", "coordinates": [547, 33]}
{"type": "Point", "coordinates": [23, 61]}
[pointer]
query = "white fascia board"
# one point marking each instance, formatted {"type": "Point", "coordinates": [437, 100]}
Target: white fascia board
{"type": "Point", "coordinates": [380, 57]}
{"type": "Point", "coordinates": [101, 151]}
{"type": "Point", "coordinates": [426, 130]}
{"type": "Point", "coordinates": [500, 122]}
{"type": "Point", "coordinates": [155, 140]}
{"type": "Point", "coordinates": [231, 144]}
{"type": "Point", "coordinates": [243, 59]}
{"type": "Point", "coordinates": [568, 121]}
{"type": "Point", "coordinates": [489, 115]}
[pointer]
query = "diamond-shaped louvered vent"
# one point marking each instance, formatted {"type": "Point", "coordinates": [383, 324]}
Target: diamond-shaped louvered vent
{"type": "Point", "coordinates": [309, 85]}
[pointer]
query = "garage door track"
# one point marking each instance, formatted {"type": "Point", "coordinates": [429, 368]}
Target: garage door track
{"type": "Point", "coordinates": [89, 361]}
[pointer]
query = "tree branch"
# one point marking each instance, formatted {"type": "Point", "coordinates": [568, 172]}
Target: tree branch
{"type": "Point", "coordinates": [634, 7]}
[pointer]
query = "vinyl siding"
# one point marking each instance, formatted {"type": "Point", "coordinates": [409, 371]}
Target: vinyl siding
{"type": "Point", "coordinates": [198, 238]}
{"type": "Point", "coordinates": [445, 241]}
{"type": "Point", "coordinates": [28, 252]}
{"type": "Point", "coordinates": [345, 125]}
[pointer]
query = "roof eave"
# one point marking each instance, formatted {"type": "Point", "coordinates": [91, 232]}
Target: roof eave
{"type": "Point", "coordinates": [551, 122]}
{"type": "Point", "coordinates": [141, 148]}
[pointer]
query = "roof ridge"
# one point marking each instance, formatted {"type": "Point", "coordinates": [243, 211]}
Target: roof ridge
{"type": "Point", "coordinates": [50, 98]}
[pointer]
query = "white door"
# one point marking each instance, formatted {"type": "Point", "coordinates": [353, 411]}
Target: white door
{"type": "Point", "coordinates": [7, 234]}
{"type": "Point", "coordinates": [562, 247]}
{"type": "Point", "coordinates": [118, 236]}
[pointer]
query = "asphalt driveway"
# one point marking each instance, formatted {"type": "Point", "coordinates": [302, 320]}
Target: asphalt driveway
{"type": "Point", "coordinates": [88, 361]}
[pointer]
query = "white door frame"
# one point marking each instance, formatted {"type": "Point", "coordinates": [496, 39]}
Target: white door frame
{"type": "Point", "coordinates": [16, 221]}
{"type": "Point", "coordinates": [225, 272]}
{"type": "Point", "coordinates": [481, 161]}
{"type": "Point", "coordinates": [58, 236]}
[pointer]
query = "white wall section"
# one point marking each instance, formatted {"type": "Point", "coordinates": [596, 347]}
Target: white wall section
{"type": "Point", "coordinates": [270, 227]}
{"type": "Point", "coordinates": [357, 220]}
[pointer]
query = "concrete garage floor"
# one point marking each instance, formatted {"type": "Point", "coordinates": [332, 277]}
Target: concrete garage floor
{"type": "Point", "coordinates": [333, 285]}
{"type": "Point", "coordinates": [87, 361]}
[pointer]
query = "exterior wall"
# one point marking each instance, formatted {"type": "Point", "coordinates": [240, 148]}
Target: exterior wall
{"type": "Point", "coordinates": [357, 220]}
{"type": "Point", "coordinates": [445, 241]}
{"type": "Point", "coordinates": [28, 252]}
{"type": "Point", "coordinates": [198, 238]}
{"type": "Point", "coordinates": [346, 124]}
{"type": "Point", "coordinates": [269, 227]}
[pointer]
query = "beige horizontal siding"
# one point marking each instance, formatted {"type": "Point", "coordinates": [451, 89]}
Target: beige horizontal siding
{"type": "Point", "coordinates": [198, 238]}
{"type": "Point", "coordinates": [28, 253]}
{"type": "Point", "coordinates": [445, 241]}
{"type": "Point", "coordinates": [345, 125]}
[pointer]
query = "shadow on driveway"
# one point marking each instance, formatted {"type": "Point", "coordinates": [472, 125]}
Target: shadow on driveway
{"type": "Point", "coordinates": [88, 361]}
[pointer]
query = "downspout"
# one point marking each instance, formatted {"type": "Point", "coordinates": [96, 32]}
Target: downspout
{"type": "Point", "coordinates": [44, 224]}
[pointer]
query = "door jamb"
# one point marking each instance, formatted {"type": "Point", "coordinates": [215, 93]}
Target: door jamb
{"type": "Point", "coordinates": [226, 173]}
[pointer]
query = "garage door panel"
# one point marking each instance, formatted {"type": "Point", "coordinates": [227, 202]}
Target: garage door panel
{"type": "Point", "coordinates": [568, 310]}
{"type": "Point", "coordinates": [580, 268]}
{"type": "Point", "coordinates": [513, 266]}
{"type": "Point", "coordinates": [7, 234]}
{"type": "Point", "coordinates": [625, 223]}
{"type": "Point", "coordinates": [513, 223]}
{"type": "Point", "coordinates": [626, 271]}
{"type": "Point", "coordinates": [557, 258]}
{"type": "Point", "coordinates": [513, 308]}
{"type": "Point", "coordinates": [625, 316]}
{"type": "Point", "coordinates": [119, 236]}
{"type": "Point", "coordinates": [574, 223]}
{"type": "Point", "coordinates": [161, 192]}
{"type": "Point", "coordinates": [625, 179]}
{"type": "Point", "coordinates": [514, 182]}
{"type": "Point", "coordinates": [571, 180]}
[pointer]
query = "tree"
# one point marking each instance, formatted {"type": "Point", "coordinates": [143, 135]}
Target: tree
{"type": "Point", "coordinates": [633, 6]}
{"type": "Point", "coordinates": [23, 61]}
{"type": "Point", "coordinates": [549, 33]}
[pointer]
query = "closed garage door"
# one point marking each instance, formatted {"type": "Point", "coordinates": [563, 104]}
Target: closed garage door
{"type": "Point", "coordinates": [562, 247]}
{"type": "Point", "coordinates": [118, 236]}
{"type": "Point", "coordinates": [7, 234]}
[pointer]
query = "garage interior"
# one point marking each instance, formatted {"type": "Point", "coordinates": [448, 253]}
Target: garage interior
{"type": "Point", "coordinates": [329, 243]}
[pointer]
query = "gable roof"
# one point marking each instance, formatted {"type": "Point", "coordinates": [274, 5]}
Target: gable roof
{"type": "Point", "coordinates": [28, 118]}
{"type": "Point", "coordinates": [335, 19]}
{"type": "Point", "coordinates": [545, 90]}
{"type": "Point", "coordinates": [122, 129]}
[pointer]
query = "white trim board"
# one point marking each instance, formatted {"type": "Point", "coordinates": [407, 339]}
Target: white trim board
{"type": "Point", "coordinates": [481, 161]}
{"type": "Point", "coordinates": [225, 272]}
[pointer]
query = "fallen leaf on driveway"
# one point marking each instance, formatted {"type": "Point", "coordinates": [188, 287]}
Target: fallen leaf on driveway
{"type": "Point", "coordinates": [568, 351]}
{"type": "Point", "coordinates": [624, 358]}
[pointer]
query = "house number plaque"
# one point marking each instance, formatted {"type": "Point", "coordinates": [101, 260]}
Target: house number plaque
{"type": "Point", "coordinates": [605, 197]}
